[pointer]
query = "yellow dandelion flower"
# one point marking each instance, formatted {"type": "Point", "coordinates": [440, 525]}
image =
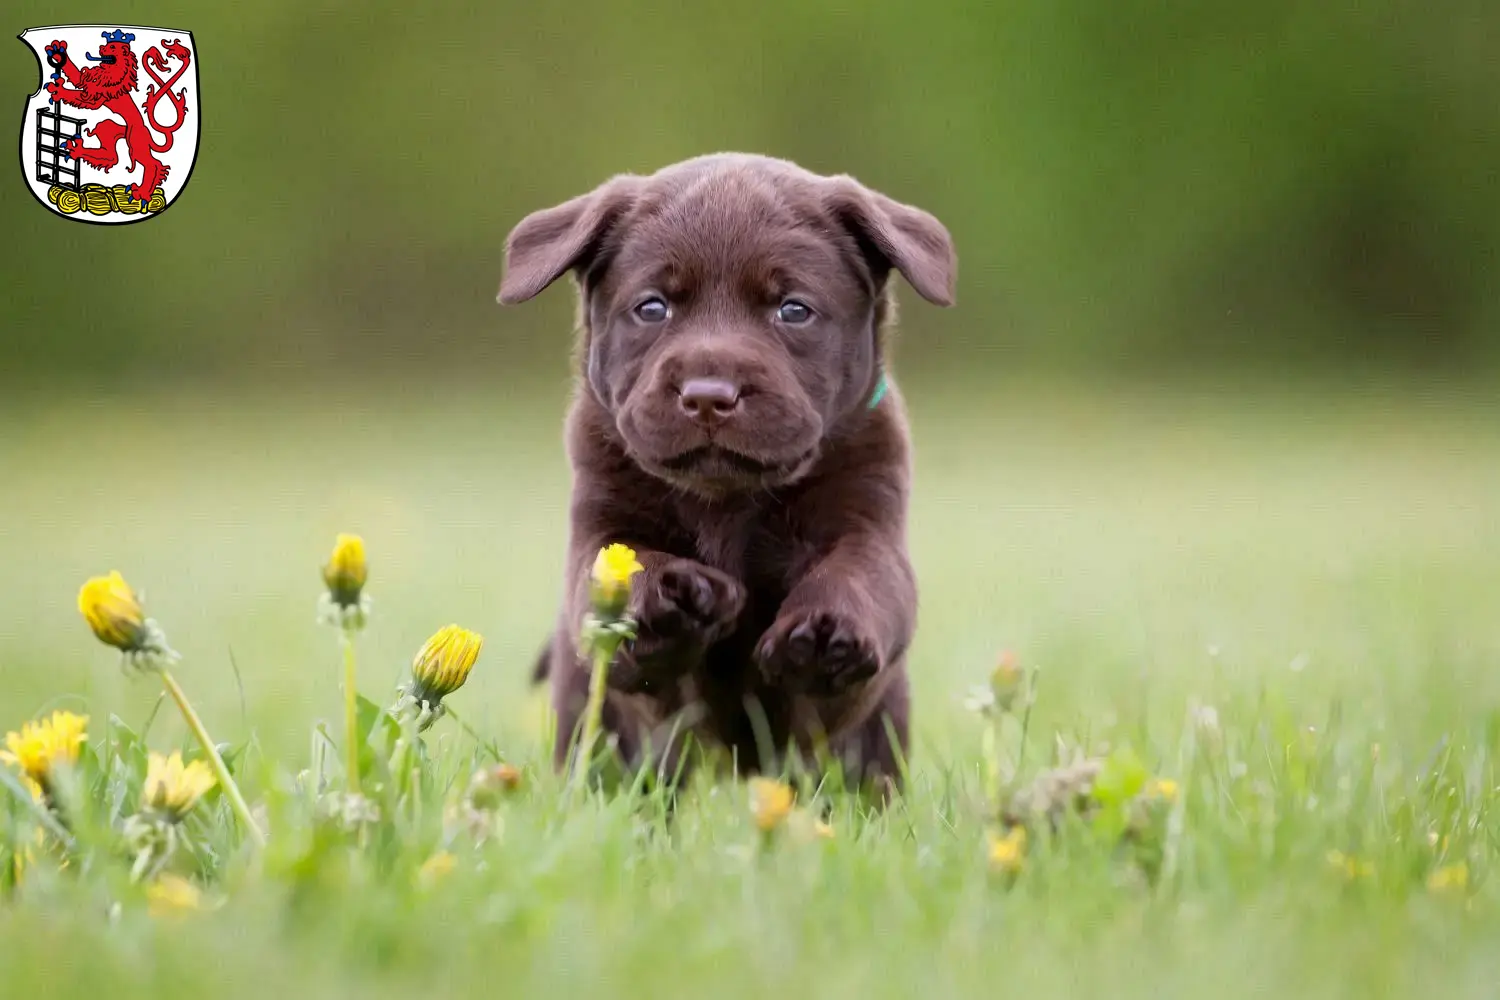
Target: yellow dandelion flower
{"type": "Point", "coordinates": [443, 663]}
{"type": "Point", "coordinates": [169, 894]}
{"type": "Point", "coordinates": [346, 570]}
{"type": "Point", "coordinates": [173, 788]}
{"type": "Point", "coordinates": [770, 802]}
{"type": "Point", "coordinates": [436, 867]}
{"type": "Point", "coordinates": [610, 579]}
{"type": "Point", "coordinates": [1165, 789]}
{"type": "Point", "coordinates": [1449, 877]}
{"type": "Point", "coordinates": [1349, 866]}
{"type": "Point", "coordinates": [113, 611]}
{"type": "Point", "coordinates": [41, 746]}
{"type": "Point", "coordinates": [1008, 851]}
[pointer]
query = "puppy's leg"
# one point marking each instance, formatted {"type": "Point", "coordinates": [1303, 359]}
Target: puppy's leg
{"type": "Point", "coordinates": [873, 752]}
{"type": "Point", "coordinates": [644, 740]}
{"type": "Point", "coordinates": [681, 607]}
{"type": "Point", "coordinates": [669, 756]}
{"type": "Point", "coordinates": [850, 616]}
{"type": "Point", "coordinates": [621, 720]}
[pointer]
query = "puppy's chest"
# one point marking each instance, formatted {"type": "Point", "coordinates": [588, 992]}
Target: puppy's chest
{"type": "Point", "coordinates": [755, 545]}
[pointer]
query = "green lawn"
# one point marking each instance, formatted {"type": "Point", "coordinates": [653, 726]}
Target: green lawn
{"type": "Point", "coordinates": [1320, 568]}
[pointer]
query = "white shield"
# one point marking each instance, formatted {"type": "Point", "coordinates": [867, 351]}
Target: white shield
{"type": "Point", "coordinates": [111, 133]}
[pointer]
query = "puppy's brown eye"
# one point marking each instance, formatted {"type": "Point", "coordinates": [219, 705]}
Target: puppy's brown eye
{"type": "Point", "coordinates": [793, 312]}
{"type": "Point", "coordinates": [652, 311]}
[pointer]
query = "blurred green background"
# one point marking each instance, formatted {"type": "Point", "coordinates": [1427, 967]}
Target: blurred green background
{"type": "Point", "coordinates": [1215, 398]}
{"type": "Point", "coordinates": [1132, 186]}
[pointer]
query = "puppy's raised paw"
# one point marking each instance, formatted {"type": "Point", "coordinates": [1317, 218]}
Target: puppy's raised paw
{"type": "Point", "coordinates": [818, 653]}
{"type": "Point", "coordinates": [680, 610]}
{"type": "Point", "coordinates": [687, 603]}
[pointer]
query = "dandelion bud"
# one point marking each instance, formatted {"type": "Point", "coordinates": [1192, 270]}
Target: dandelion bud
{"type": "Point", "coordinates": [770, 803]}
{"type": "Point", "coordinates": [173, 788]}
{"type": "Point", "coordinates": [443, 663]}
{"type": "Point", "coordinates": [113, 611]}
{"type": "Point", "coordinates": [490, 785]}
{"type": "Point", "coordinates": [40, 747]}
{"type": "Point", "coordinates": [610, 579]}
{"type": "Point", "coordinates": [116, 617]}
{"type": "Point", "coordinates": [1006, 680]}
{"type": "Point", "coordinates": [346, 570]}
{"type": "Point", "coordinates": [440, 668]}
{"type": "Point", "coordinates": [345, 573]}
{"type": "Point", "coordinates": [1008, 851]}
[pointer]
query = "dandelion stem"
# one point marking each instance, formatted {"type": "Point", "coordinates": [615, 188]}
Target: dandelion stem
{"type": "Point", "coordinates": [594, 710]}
{"type": "Point", "coordinates": [221, 771]}
{"type": "Point", "coordinates": [993, 768]}
{"type": "Point", "coordinates": [351, 711]}
{"type": "Point", "coordinates": [1026, 721]}
{"type": "Point", "coordinates": [42, 813]}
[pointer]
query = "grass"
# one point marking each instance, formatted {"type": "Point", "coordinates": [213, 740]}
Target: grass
{"type": "Point", "coordinates": [1318, 567]}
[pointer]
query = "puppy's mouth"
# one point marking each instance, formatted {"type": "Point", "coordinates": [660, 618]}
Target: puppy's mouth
{"type": "Point", "coordinates": [716, 466]}
{"type": "Point", "coordinates": [708, 457]}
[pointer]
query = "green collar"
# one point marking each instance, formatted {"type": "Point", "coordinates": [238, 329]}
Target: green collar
{"type": "Point", "coordinates": [879, 393]}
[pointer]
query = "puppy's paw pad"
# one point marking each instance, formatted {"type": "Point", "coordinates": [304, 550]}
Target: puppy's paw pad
{"type": "Point", "coordinates": [820, 653]}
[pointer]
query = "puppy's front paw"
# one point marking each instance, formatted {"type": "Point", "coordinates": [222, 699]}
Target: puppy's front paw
{"type": "Point", "coordinates": [819, 653]}
{"type": "Point", "coordinates": [688, 603]}
{"type": "Point", "coordinates": [680, 610]}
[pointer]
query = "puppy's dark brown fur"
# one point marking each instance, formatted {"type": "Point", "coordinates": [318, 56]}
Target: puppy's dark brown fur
{"type": "Point", "coordinates": [732, 315]}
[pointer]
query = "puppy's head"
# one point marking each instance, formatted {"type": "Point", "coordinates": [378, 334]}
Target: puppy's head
{"type": "Point", "coordinates": [731, 308]}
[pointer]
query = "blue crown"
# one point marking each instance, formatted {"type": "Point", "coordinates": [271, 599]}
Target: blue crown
{"type": "Point", "coordinates": [117, 36]}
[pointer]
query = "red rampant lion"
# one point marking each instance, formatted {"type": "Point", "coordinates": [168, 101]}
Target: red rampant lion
{"type": "Point", "coordinates": [111, 85]}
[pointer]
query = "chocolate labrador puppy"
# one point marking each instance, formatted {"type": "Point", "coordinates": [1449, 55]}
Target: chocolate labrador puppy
{"type": "Point", "coordinates": [734, 424]}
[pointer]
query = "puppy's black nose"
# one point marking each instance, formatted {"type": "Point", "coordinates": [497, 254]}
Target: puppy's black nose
{"type": "Point", "coordinates": [708, 400]}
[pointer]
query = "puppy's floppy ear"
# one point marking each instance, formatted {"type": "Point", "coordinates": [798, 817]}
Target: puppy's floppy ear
{"type": "Point", "coordinates": [892, 234]}
{"type": "Point", "coordinates": [549, 242]}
